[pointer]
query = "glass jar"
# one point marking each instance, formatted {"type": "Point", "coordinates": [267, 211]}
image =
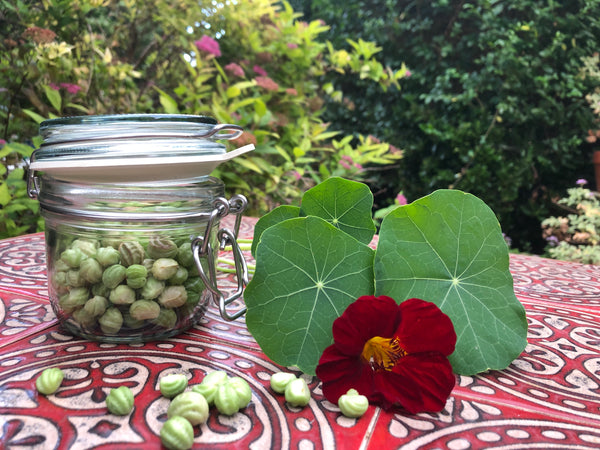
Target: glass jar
{"type": "Point", "coordinates": [132, 222]}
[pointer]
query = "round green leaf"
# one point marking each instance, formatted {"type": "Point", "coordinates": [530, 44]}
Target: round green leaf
{"type": "Point", "coordinates": [448, 248]}
{"type": "Point", "coordinates": [345, 204]}
{"type": "Point", "coordinates": [273, 217]}
{"type": "Point", "coordinates": [307, 273]}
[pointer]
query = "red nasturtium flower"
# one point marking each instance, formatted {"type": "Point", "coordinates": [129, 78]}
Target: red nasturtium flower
{"type": "Point", "coordinates": [395, 355]}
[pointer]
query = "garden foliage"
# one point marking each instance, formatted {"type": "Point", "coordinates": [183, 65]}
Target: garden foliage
{"type": "Point", "coordinates": [495, 104]}
{"type": "Point", "coordinates": [254, 63]}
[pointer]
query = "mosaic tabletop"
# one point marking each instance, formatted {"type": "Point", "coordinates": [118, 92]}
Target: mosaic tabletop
{"type": "Point", "coordinates": [548, 398]}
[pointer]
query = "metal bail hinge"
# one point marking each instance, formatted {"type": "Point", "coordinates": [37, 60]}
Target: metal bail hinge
{"type": "Point", "coordinates": [203, 249]}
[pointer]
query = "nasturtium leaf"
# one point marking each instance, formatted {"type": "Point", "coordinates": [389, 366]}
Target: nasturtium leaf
{"type": "Point", "coordinates": [307, 273]}
{"type": "Point", "coordinates": [345, 204]}
{"type": "Point", "coordinates": [448, 248]}
{"type": "Point", "coordinates": [273, 217]}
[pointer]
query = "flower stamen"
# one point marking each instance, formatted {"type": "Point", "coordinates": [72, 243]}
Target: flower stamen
{"type": "Point", "coordinates": [382, 353]}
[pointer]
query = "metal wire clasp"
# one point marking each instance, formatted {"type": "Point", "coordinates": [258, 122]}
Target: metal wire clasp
{"type": "Point", "coordinates": [205, 259]}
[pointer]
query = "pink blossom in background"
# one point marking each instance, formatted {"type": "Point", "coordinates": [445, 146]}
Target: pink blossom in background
{"type": "Point", "coordinates": [235, 69]}
{"type": "Point", "coordinates": [71, 88]}
{"type": "Point", "coordinates": [408, 73]}
{"type": "Point", "coordinates": [2, 142]}
{"type": "Point", "coordinates": [267, 83]}
{"type": "Point", "coordinates": [208, 45]}
{"type": "Point", "coordinates": [291, 45]}
{"type": "Point", "coordinates": [297, 175]}
{"type": "Point", "coordinates": [291, 91]}
{"type": "Point", "coordinates": [260, 71]}
{"type": "Point", "coordinates": [54, 87]}
{"type": "Point", "coordinates": [345, 165]}
{"type": "Point", "coordinates": [401, 199]}
{"type": "Point", "coordinates": [581, 182]}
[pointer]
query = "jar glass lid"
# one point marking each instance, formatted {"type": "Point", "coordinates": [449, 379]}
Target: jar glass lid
{"type": "Point", "coordinates": [133, 147]}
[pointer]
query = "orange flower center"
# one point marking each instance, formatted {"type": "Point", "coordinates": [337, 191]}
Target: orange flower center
{"type": "Point", "coordinates": [382, 353]}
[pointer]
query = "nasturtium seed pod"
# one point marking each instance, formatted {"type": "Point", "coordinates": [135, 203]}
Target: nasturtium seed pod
{"type": "Point", "coordinates": [74, 299]}
{"type": "Point", "coordinates": [144, 310]}
{"type": "Point", "coordinates": [209, 385]}
{"type": "Point", "coordinates": [131, 252]}
{"type": "Point", "coordinates": [61, 266]}
{"type": "Point", "coordinates": [242, 388]}
{"type": "Point", "coordinates": [74, 279]}
{"type": "Point", "coordinates": [185, 256]}
{"type": "Point", "coordinates": [100, 290]}
{"type": "Point", "coordinates": [96, 306]}
{"type": "Point", "coordinates": [132, 323]}
{"type": "Point", "coordinates": [72, 257]}
{"type": "Point", "coordinates": [173, 297]}
{"type": "Point", "coordinates": [280, 380]}
{"type": "Point", "coordinates": [177, 433]}
{"type": "Point", "coordinates": [180, 276]}
{"type": "Point", "coordinates": [83, 318]}
{"type": "Point", "coordinates": [297, 392]}
{"type": "Point", "coordinates": [226, 399]}
{"type": "Point", "coordinates": [111, 321]}
{"type": "Point", "coordinates": [166, 319]}
{"type": "Point", "coordinates": [172, 384]}
{"type": "Point", "coordinates": [88, 247]}
{"type": "Point", "coordinates": [148, 263]}
{"type": "Point", "coordinates": [49, 381]}
{"type": "Point", "coordinates": [91, 270]}
{"type": "Point", "coordinates": [136, 276]}
{"type": "Point", "coordinates": [164, 268]}
{"type": "Point", "coordinates": [352, 404]}
{"type": "Point", "coordinates": [161, 247]}
{"type": "Point", "coordinates": [190, 405]}
{"type": "Point", "coordinates": [194, 285]}
{"type": "Point", "coordinates": [107, 256]}
{"type": "Point", "coordinates": [119, 401]}
{"type": "Point", "coordinates": [113, 276]}
{"type": "Point", "coordinates": [122, 295]}
{"type": "Point", "coordinates": [152, 289]}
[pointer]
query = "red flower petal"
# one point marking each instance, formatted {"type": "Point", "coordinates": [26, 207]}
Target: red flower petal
{"type": "Point", "coordinates": [339, 373]}
{"type": "Point", "coordinates": [425, 328]}
{"type": "Point", "coordinates": [419, 383]}
{"type": "Point", "coordinates": [368, 316]}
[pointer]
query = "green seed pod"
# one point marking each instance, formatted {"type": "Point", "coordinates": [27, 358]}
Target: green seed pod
{"type": "Point", "coordinates": [280, 380]}
{"type": "Point", "coordinates": [243, 390]}
{"type": "Point", "coordinates": [61, 266]}
{"type": "Point", "coordinates": [59, 279]}
{"type": "Point", "coordinates": [96, 306]}
{"type": "Point", "coordinates": [83, 318]}
{"type": "Point", "coordinates": [177, 433]}
{"type": "Point", "coordinates": [131, 252]}
{"type": "Point", "coordinates": [297, 392]}
{"type": "Point", "coordinates": [88, 247]}
{"type": "Point", "coordinates": [166, 319]}
{"type": "Point", "coordinates": [226, 399]}
{"type": "Point", "coordinates": [173, 297]}
{"type": "Point", "coordinates": [172, 385]}
{"type": "Point", "coordinates": [120, 401]}
{"type": "Point", "coordinates": [91, 271]}
{"type": "Point", "coordinates": [180, 276]}
{"type": "Point", "coordinates": [148, 263]}
{"type": "Point", "coordinates": [101, 290]}
{"type": "Point", "coordinates": [74, 299]}
{"type": "Point", "coordinates": [152, 289]}
{"type": "Point", "coordinates": [111, 321]}
{"type": "Point", "coordinates": [191, 406]}
{"type": "Point", "coordinates": [352, 404]}
{"type": "Point", "coordinates": [113, 276]}
{"type": "Point", "coordinates": [107, 256]}
{"type": "Point", "coordinates": [161, 247]}
{"type": "Point", "coordinates": [74, 278]}
{"type": "Point", "coordinates": [194, 285]}
{"type": "Point", "coordinates": [72, 257]}
{"type": "Point", "coordinates": [164, 268]}
{"type": "Point", "coordinates": [210, 384]}
{"type": "Point", "coordinates": [122, 295]}
{"type": "Point", "coordinates": [144, 310]}
{"type": "Point", "coordinates": [136, 276]}
{"type": "Point", "coordinates": [130, 322]}
{"type": "Point", "coordinates": [49, 381]}
{"type": "Point", "coordinates": [185, 256]}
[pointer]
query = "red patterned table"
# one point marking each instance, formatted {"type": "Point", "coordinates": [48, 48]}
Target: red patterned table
{"type": "Point", "coordinates": [548, 398]}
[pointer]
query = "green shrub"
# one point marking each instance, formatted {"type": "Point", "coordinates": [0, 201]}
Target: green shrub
{"type": "Point", "coordinates": [495, 104]}
{"type": "Point", "coordinates": [251, 63]}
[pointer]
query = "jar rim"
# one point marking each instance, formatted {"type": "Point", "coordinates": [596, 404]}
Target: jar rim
{"type": "Point", "coordinates": [119, 118]}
